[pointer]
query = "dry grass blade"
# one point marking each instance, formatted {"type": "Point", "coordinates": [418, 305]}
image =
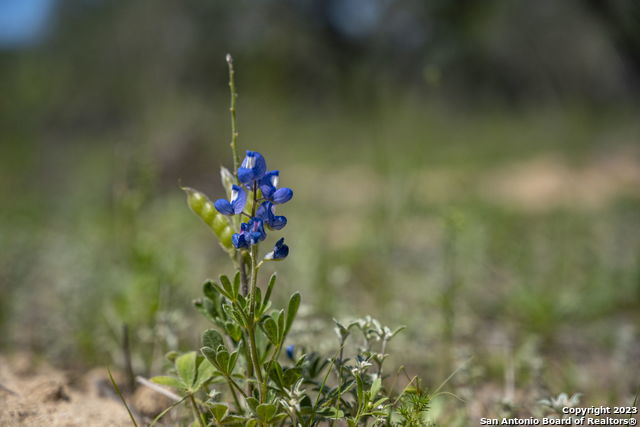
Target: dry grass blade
{"type": "Point", "coordinates": [124, 402]}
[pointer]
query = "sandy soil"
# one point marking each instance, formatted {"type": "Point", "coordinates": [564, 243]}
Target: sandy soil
{"type": "Point", "coordinates": [33, 394]}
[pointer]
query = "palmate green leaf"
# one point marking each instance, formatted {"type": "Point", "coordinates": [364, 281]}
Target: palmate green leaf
{"type": "Point", "coordinates": [169, 382]}
{"type": "Point", "coordinates": [292, 310]}
{"type": "Point", "coordinates": [186, 368]}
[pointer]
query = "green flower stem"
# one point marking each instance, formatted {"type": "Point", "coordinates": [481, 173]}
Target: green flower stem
{"type": "Point", "coordinates": [253, 350]}
{"type": "Point", "coordinates": [232, 110]}
{"type": "Point", "coordinates": [196, 411]}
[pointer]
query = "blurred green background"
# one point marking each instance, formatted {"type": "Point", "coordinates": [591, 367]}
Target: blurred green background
{"type": "Point", "coordinates": [469, 169]}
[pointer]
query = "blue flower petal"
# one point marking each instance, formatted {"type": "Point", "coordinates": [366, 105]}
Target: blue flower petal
{"type": "Point", "coordinates": [239, 241]}
{"type": "Point", "coordinates": [253, 167]}
{"type": "Point", "coordinates": [224, 207]}
{"type": "Point", "coordinates": [277, 222]}
{"type": "Point", "coordinates": [238, 199]}
{"type": "Point", "coordinates": [282, 195]}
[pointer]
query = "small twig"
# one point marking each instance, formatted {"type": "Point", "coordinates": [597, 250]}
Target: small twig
{"type": "Point", "coordinates": [155, 387]}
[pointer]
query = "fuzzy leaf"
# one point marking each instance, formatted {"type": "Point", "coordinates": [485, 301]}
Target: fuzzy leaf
{"type": "Point", "coordinates": [266, 411]}
{"type": "Point", "coordinates": [292, 310]}
{"type": "Point", "coordinates": [375, 388]}
{"type": "Point", "coordinates": [212, 339]}
{"type": "Point", "coordinates": [186, 368]}
{"type": "Point", "coordinates": [169, 381]}
{"type": "Point", "coordinates": [267, 295]}
{"type": "Point", "coordinates": [204, 374]}
{"type": "Point", "coordinates": [226, 284]}
{"type": "Point", "coordinates": [236, 284]}
{"type": "Point", "coordinates": [270, 329]}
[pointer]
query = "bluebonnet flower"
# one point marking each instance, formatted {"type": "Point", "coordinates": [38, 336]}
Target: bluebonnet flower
{"type": "Point", "coordinates": [235, 205]}
{"type": "Point", "coordinates": [267, 212]}
{"type": "Point", "coordinates": [290, 351]}
{"type": "Point", "coordinates": [251, 233]}
{"type": "Point", "coordinates": [253, 167]}
{"type": "Point", "coordinates": [270, 191]}
{"type": "Point", "coordinates": [279, 252]}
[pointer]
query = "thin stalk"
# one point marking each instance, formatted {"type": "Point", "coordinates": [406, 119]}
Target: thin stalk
{"type": "Point", "coordinates": [235, 396]}
{"type": "Point", "coordinates": [253, 350]}
{"type": "Point", "coordinates": [196, 411]}
{"type": "Point", "coordinates": [232, 110]}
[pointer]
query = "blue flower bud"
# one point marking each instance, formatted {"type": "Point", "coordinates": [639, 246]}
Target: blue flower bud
{"type": "Point", "coordinates": [290, 351]}
{"type": "Point", "coordinates": [279, 252]}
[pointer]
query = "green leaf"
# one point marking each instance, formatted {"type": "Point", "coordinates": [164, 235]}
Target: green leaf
{"type": "Point", "coordinates": [210, 291]}
{"type": "Point", "coordinates": [232, 361]}
{"type": "Point", "coordinates": [397, 331]}
{"type": "Point", "coordinates": [222, 357]}
{"type": "Point", "coordinates": [226, 284]}
{"type": "Point", "coordinates": [278, 417]}
{"type": "Point", "coordinates": [291, 376]}
{"type": "Point", "coordinates": [233, 330]}
{"type": "Point", "coordinates": [360, 391]}
{"type": "Point", "coordinates": [270, 329]}
{"type": "Point", "coordinates": [267, 295]}
{"type": "Point", "coordinates": [204, 374]}
{"type": "Point", "coordinates": [210, 355]}
{"type": "Point", "coordinates": [186, 368]}
{"type": "Point", "coordinates": [253, 403]}
{"type": "Point", "coordinates": [258, 299]}
{"type": "Point", "coordinates": [266, 411]}
{"type": "Point", "coordinates": [276, 374]}
{"type": "Point", "coordinates": [292, 310]}
{"type": "Point", "coordinates": [219, 410]}
{"type": "Point", "coordinates": [236, 284]}
{"type": "Point", "coordinates": [251, 423]}
{"type": "Point", "coordinates": [375, 388]}
{"type": "Point", "coordinates": [279, 317]}
{"type": "Point", "coordinates": [222, 290]}
{"type": "Point", "coordinates": [212, 339]}
{"type": "Point", "coordinates": [169, 382]}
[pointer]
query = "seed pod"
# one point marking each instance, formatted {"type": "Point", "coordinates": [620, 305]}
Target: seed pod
{"type": "Point", "coordinates": [202, 206]}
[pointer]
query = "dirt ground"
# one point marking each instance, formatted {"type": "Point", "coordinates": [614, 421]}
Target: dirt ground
{"type": "Point", "coordinates": [35, 394]}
